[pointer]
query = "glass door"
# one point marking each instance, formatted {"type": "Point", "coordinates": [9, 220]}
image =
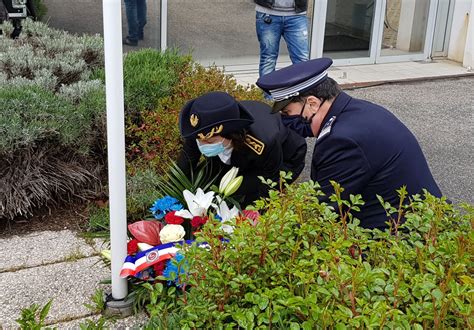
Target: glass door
{"type": "Point", "coordinates": [373, 31]}
{"type": "Point", "coordinates": [348, 29]}
{"type": "Point", "coordinates": [406, 30]}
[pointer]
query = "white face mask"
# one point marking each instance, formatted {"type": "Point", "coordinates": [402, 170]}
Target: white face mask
{"type": "Point", "coordinates": [226, 154]}
{"type": "Point", "coordinates": [211, 149]}
{"type": "Point", "coordinates": [217, 149]}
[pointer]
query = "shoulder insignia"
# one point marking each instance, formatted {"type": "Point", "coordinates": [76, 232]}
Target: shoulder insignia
{"type": "Point", "coordinates": [255, 144]}
{"type": "Point", "coordinates": [327, 128]}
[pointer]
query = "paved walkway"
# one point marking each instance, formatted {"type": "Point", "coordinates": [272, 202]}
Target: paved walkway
{"type": "Point", "coordinates": [64, 267]}
{"type": "Point", "coordinates": [363, 75]}
{"type": "Point", "coordinates": [49, 265]}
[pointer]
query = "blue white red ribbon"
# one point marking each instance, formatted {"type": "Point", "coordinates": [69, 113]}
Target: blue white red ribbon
{"type": "Point", "coordinates": [144, 259]}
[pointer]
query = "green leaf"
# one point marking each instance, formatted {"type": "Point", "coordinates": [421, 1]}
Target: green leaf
{"type": "Point", "coordinates": [294, 326]}
{"type": "Point", "coordinates": [45, 310]}
{"type": "Point", "coordinates": [341, 326]}
{"type": "Point", "coordinates": [437, 294]}
{"type": "Point", "coordinates": [263, 303]}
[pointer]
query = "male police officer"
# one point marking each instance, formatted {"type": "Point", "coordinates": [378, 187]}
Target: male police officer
{"type": "Point", "coordinates": [359, 144]}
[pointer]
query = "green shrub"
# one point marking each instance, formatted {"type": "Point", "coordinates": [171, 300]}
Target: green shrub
{"type": "Point", "coordinates": [150, 75]}
{"type": "Point", "coordinates": [155, 138]}
{"type": "Point", "coordinates": [142, 191]}
{"type": "Point", "coordinates": [31, 115]}
{"type": "Point", "coordinates": [48, 57]}
{"type": "Point", "coordinates": [52, 132]}
{"type": "Point", "coordinates": [304, 266]}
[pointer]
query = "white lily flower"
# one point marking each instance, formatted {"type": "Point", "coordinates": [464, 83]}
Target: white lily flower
{"type": "Point", "coordinates": [198, 204]}
{"type": "Point", "coordinates": [225, 214]}
{"type": "Point", "coordinates": [227, 178]}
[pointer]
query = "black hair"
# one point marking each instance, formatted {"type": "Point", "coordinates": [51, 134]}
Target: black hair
{"type": "Point", "coordinates": [238, 138]}
{"type": "Point", "coordinates": [326, 90]}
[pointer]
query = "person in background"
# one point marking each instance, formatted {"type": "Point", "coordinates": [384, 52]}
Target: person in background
{"type": "Point", "coordinates": [277, 18]}
{"type": "Point", "coordinates": [360, 145]}
{"type": "Point", "coordinates": [242, 134]}
{"type": "Point", "coordinates": [136, 21]}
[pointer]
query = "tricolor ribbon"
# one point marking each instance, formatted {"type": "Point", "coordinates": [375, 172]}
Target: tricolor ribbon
{"type": "Point", "coordinates": [144, 259]}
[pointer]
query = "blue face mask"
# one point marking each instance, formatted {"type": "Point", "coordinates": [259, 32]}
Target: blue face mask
{"type": "Point", "coordinates": [211, 149]}
{"type": "Point", "coordinates": [298, 123]}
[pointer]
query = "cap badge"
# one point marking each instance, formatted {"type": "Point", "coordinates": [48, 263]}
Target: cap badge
{"type": "Point", "coordinates": [194, 120]}
{"type": "Point", "coordinates": [214, 131]}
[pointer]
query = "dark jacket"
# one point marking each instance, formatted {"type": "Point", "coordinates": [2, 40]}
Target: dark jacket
{"type": "Point", "coordinates": [271, 148]}
{"type": "Point", "coordinates": [300, 5]}
{"type": "Point", "coordinates": [370, 152]}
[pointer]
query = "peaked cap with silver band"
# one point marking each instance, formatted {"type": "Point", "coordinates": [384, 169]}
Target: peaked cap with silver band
{"type": "Point", "coordinates": [292, 80]}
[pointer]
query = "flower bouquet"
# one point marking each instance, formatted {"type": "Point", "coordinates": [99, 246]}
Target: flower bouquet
{"type": "Point", "coordinates": [155, 243]}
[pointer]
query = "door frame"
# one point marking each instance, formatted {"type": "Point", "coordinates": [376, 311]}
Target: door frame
{"type": "Point", "coordinates": [443, 23]}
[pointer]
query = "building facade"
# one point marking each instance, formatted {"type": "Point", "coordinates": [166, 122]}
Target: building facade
{"type": "Point", "coordinates": [222, 32]}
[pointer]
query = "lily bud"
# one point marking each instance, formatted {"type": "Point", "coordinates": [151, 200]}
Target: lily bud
{"type": "Point", "coordinates": [233, 186]}
{"type": "Point", "coordinates": [227, 179]}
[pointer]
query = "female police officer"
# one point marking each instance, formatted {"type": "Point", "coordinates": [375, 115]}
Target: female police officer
{"type": "Point", "coordinates": [243, 134]}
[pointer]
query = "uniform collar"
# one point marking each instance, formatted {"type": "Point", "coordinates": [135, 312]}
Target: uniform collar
{"type": "Point", "coordinates": [336, 108]}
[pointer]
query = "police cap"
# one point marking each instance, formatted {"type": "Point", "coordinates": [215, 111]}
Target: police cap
{"type": "Point", "coordinates": [282, 85]}
{"type": "Point", "coordinates": [214, 113]}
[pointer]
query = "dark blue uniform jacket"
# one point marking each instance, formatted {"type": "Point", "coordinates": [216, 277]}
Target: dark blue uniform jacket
{"type": "Point", "coordinates": [369, 151]}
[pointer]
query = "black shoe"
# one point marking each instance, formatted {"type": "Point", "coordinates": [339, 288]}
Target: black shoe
{"type": "Point", "coordinates": [127, 41]}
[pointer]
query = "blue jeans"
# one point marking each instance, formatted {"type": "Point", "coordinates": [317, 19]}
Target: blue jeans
{"type": "Point", "coordinates": [294, 30]}
{"type": "Point", "coordinates": [136, 18]}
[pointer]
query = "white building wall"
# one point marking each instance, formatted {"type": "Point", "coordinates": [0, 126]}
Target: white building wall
{"type": "Point", "coordinates": [469, 51]}
{"type": "Point", "coordinates": [461, 40]}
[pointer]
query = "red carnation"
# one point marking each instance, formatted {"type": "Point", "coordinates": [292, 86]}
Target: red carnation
{"type": "Point", "coordinates": [132, 246]}
{"type": "Point", "coordinates": [198, 221]}
{"type": "Point", "coordinates": [251, 215]}
{"type": "Point", "coordinates": [159, 267]}
{"type": "Point", "coordinates": [248, 217]}
{"type": "Point", "coordinates": [173, 219]}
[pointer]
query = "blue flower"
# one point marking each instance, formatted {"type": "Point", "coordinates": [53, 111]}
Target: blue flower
{"type": "Point", "coordinates": [174, 268]}
{"type": "Point", "coordinates": [164, 205]}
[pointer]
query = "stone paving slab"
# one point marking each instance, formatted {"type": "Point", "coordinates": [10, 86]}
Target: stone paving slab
{"type": "Point", "coordinates": [42, 248]}
{"type": "Point", "coordinates": [131, 322]}
{"type": "Point", "coordinates": [69, 284]}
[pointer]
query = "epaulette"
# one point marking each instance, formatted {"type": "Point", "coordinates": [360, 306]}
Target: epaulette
{"type": "Point", "coordinates": [255, 144]}
{"type": "Point", "coordinates": [327, 128]}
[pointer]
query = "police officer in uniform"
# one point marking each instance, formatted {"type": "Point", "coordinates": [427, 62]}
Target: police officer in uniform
{"type": "Point", "coordinates": [359, 144]}
{"type": "Point", "coordinates": [243, 134]}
